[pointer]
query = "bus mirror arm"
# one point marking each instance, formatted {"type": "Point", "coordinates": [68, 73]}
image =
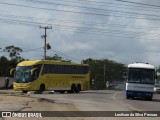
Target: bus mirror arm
{"type": "Point", "coordinates": [12, 71]}
{"type": "Point", "coordinates": [156, 76]}
{"type": "Point", "coordinates": [124, 74]}
{"type": "Point", "coordinates": [33, 70]}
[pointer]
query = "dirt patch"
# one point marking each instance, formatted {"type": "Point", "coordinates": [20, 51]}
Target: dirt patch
{"type": "Point", "coordinates": [43, 104]}
{"type": "Point", "coordinates": [13, 103]}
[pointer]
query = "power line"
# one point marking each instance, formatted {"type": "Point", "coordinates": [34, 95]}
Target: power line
{"type": "Point", "coordinates": [82, 2]}
{"type": "Point", "coordinates": [65, 55]}
{"type": "Point", "coordinates": [157, 6]}
{"type": "Point", "coordinates": [37, 24]}
{"type": "Point", "coordinates": [69, 21]}
{"type": "Point", "coordinates": [112, 34]}
{"type": "Point", "coordinates": [92, 8]}
{"type": "Point", "coordinates": [51, 9]}
{"type": "Point", "coordinates": [108, 3]}
{"type": "Point", "coordinates": [86, 13]}
{"type": "Point", "coordinates": [21, 22]}
{"type": "Point", "coordinates": [87, 30]}
{"type": "Point", "coordinates": [30, 50]}
{"type": "Point", "coordinates": [97, 3]}
{"type": "Point", "coordinates": [100, 3]}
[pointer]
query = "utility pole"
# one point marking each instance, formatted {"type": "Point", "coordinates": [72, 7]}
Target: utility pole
{"type": "Point", "coordinates": [104, 74]}
{"type": "Point", "coordinates": [45, 36]}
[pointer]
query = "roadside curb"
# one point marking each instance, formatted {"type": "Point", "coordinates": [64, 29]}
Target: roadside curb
{"type": "Point", "coordinates": [10, 93]}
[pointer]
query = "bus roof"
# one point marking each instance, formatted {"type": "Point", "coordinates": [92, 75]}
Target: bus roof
{"type": "Point", "coordinates": [141, 65]}
{"type": "Point", "coordinates": [34, 62]}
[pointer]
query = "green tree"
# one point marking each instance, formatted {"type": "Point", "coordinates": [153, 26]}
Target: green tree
{"type": "Point", "coordinates": [4, 63]}
{"type": "Point", "coordinates": [14, 52]}
{"type": "Point", "coordinates": [158, 76]}
{"type": "Point", "coordinates": [104, 70]}
{"type": "Point", "coordinates": [57, 57]}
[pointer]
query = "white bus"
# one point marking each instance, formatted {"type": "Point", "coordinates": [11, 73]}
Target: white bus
{"type": "Point", "coordinates": [140, 80]}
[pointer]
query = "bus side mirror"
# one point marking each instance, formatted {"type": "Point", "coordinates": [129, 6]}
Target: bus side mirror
{"type": "Point", "coordinates": [33, 70]}
{"type": "Point", "coordinates": [156, 76]}
{"type": "Point", "coordinates": [124, 74]}
{"type": "Point", "coordinates": [12, 71]}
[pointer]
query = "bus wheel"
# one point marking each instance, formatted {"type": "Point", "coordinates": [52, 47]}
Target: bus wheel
{"type": "Point", "coordinates": [73, 87]}
{"type": "Point", "coordinates": [62, 92]}
{"type": "Point", "coordinates": [78, 88]}
{"type": "Point", "coordinates": [42, 88]}
{"type": "Point", "coordinates": [69, 91]}
{"type": "Point", "coordinates": [149, 98]}
{"type": "Point", "coordinates": [24, 91]}
{"type": "Point", "coordinates": [127, 97]}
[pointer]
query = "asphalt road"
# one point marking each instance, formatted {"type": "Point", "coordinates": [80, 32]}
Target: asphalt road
{"type": "Point", "coordinates": [105, 100]}
{"type": "Point", "coordinates": [141, 104]}
{"type": "Point", "coordinates": [99, 100]}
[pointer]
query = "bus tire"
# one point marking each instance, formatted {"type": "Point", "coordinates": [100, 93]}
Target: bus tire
{"type": "Point", "coordinates": [42, 88]}
{"type": "Point", "coordinates": [24, 91]}
{"type": "Point", "coordinates": [69, 91]}
{"type": "Point", "coordinates": [62, 92]}
{"type": "Point", "coordinates": [77, 89]}
{"type": "Point", "coordinates": [149, 98]}
{"type": "Point", "coordinates": [73, 87]}
{"type": "Point", "coordinates": [127, 97]}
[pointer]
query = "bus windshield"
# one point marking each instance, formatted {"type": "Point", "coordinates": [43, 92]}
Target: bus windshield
{"type": "Point", "coordinates": [140, 75]}
{"type": "Point", "coordinates": [23, 74]}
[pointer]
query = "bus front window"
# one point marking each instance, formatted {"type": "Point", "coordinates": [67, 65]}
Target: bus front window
{"type": "Point", "coordinates": [143, 76]}
{"type": "Point", "coordinates": [23, 74]}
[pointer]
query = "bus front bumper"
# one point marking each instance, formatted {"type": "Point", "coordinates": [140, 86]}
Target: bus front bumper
{"type": "Point", "coordinates": [21, 87]}
{"type": "Point", "coordinates": [139, 94]}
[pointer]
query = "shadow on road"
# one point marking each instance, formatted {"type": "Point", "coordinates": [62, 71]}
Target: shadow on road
{"type": "Point", "coordinates": [156, 100]}
{"type": "Point", "coordinates": [142, 99]}
{"type": "Point", "coordinates": [94, 93]}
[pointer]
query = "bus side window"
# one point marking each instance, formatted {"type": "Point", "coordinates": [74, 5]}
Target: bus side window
{"type": "Point", "coordinates": [37, 72]}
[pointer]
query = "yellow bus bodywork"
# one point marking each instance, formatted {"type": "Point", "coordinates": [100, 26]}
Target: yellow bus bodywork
{"type": "Point", "coordinates": [53, 81]}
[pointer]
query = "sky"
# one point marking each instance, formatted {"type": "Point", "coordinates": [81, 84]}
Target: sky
{"type": "Point", "coordinates": [125, 31]}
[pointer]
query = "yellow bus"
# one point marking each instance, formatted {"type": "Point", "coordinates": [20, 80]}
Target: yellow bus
{"type": "Point", "coordinates": [47, 75]}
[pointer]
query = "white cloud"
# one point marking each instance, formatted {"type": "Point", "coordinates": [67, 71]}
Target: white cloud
{"type": "Point", "coordinates": [76, 46]}
{"type": "Point", "coordinates": [121, 40]}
